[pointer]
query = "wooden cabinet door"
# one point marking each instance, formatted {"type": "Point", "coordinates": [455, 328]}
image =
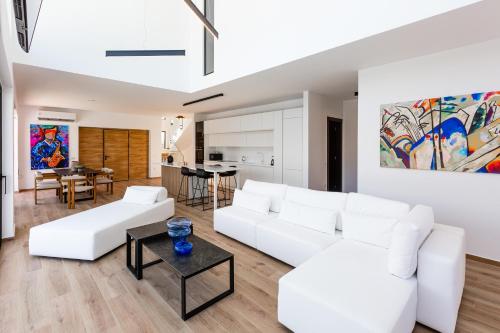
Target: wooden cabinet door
{"type": "Point", "coordinates": [116, 152]}
{"type": "Point", "coordinates": [90, 147]}
{"type": "Point", "coordinates": [138, 154]}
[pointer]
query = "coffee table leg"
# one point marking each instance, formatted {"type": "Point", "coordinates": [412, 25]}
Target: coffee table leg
{"type": "Point", "coordinates": [231, 275]}
{"type": "Point", "coordinates": [138, 259]}
{"type": "Point", "coordinates": [183, 298]}
{"type": "Point", "coordinates": [129, 251]}
{"type": "Point", "coordinates": [186, 315]}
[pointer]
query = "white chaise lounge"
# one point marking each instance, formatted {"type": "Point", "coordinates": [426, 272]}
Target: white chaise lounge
{"type": "Point", "coordinates": [90, 234]}
{"type": "Point", "coordinates": [362, 278]}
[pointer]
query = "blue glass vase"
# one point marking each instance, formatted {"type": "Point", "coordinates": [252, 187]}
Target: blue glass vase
{"type": "Point", "coordinates": [179, 228]}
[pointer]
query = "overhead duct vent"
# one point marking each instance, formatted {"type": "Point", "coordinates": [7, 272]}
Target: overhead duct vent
{"type": "Point", "coordinates": [56, 116]}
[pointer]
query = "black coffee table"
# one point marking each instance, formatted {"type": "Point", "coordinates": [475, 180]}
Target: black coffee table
{"type": "Point", "coordinates": [204, 256]}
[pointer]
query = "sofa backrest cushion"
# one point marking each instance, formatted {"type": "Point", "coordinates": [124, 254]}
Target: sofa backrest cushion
{"type": "Point", "coordinates": [277, 192]}
{"type": "Point", "coordinates": [408, 237]}
{"type": "Point", "coordinates": [377, 207]}
{"type": "Point", "coordinates": [161, 192]}
{"type": "Point", "coordinates": [402, 257]}
{"type": "Point", "coordinates": [422, 217]}
{"type": "Point", "coordinates": [322, 199]}
{"type": "Point", "coordinates": [136, 196]}
{"type": "Point", "coordinates": [368, 229]}
{"type": "Point", "coordinates": [319, 219]}
{"type": "Point", "coordinates": [254, 202]}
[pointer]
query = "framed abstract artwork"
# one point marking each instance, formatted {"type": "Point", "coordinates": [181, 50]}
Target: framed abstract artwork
{"type": "Point", "coordinates": [49, 146]}
{"type": "Point", "coordinates": [453, 133]}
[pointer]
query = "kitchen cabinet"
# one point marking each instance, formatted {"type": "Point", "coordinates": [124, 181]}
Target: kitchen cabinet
{"type": "Point", "coordinates": [293, 147]}
{"type": "Point", "coordinates": [226, 140]}
{"type": "Point", "coordinates": [248, 123]}
{"type": "Point", "coordinates": [256, 172]}
{"type": "Point", "coordinates": [259, 139]}
{"type": "Point", "coordinates": [268, 119]}
{"type": "Point", "coordinates": [252, 139]}
{"type": "Point", "coordinates": [251, 122]}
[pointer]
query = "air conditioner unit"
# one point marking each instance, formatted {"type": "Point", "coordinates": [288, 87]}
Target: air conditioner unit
{"type": "Point", "coordinates": [56, 116]}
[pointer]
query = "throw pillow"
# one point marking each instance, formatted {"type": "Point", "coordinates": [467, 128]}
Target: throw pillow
{"type": "Point", "coordinates": [254, 202]}
{"type": "Point", "coordinates": [368, 229]}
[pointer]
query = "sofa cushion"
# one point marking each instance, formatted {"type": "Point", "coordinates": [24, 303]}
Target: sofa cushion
{"type": "Point", "coordinates": [240, 223]}
{"type": "Point", "coordinates": [407, 238]}
{"type": "Point", "coordinates": [319, 219]}
{"type": "Point", "coordinates": [291, 243]}
{"type": "Point", "coordinates": [161, 192]}
{"type": "Point", "coordinates": [378, 207]}
{"type": "Point", "coordinates": [275, 191]}
{"type": "Point", "coordinates": [402, 258]}
{"type": "Point", "coordinates": [368, 229]}
{"type": "Point", "coordinates": [136, 196]}
{"type": "Point", "coordinates": [322, 199]}
{"type": "Point", "coordinates": [346, 288]}
{"type": "Point", "coordinates": [254, 202]}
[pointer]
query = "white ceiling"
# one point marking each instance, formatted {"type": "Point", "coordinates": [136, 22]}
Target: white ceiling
{"type": "Point", "coordinates": [333, 72]}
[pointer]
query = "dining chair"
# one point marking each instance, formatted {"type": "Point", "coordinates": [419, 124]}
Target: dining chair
{"type": "Point", "coordinates": [105, 177]}
{"type": "Point", "coordinates": [78, 184]}
{"type": "Point", "coordinates": [43, 183]}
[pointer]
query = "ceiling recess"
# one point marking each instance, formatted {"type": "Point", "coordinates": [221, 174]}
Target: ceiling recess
{"type": "Point", "coordinates": [203, 99]}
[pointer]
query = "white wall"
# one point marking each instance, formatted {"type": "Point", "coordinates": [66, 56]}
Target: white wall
{"type": "Point", "coordinates": [320, 107]}
{"type": "Point", "coordinates": [470, 201]}
{"type": "Point", "coordinates": [350, 146]}
{"type": "Point", "coordinates": [73, 36]}
{"type": "Point", "coordinates": [8, 228]}
{"type": "Point", "coordinates": [27, 116]}
{"type": "Point", "coordinates": [264, 34]}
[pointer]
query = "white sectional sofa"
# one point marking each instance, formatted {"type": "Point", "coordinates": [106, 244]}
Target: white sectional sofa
{"type": "Point", "coordinates": [363, 264]}
{"type": "Point", "coordinates": [92, 233]}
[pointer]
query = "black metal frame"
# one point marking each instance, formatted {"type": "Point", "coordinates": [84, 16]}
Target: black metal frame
{"type": "Point", "coordinates": [137, 269]}
{"type": "Point", "coordinates": [186, 194]}
{"type": "Point", "coordinates": [186, 315]}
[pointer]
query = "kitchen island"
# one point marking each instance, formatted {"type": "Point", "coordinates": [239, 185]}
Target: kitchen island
{"type": "Point", "coordinates": [171, 177]}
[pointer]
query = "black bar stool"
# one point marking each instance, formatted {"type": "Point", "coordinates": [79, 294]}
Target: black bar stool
{"type": "Point", "coordinates": [226, 189]}
{"type": "Point", "coordinates": [203, 177]}
{"type": "Point", "coordinates": [186, 174]}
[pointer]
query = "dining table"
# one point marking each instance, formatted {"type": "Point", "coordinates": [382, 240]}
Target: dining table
{"type": "Point", "coordinates": [62, 172]}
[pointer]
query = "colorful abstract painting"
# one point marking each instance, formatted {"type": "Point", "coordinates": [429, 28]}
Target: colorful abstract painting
{"type": "Point", "coordinates": [454, 133]}
{"type": "Point", "coordinates": [49, 146]}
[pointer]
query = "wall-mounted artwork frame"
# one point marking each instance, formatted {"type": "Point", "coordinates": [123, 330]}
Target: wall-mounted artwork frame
{"type": "Point", "coordinates": [453, 133]}
{"type": "Point", "coordinates": [49, 146]}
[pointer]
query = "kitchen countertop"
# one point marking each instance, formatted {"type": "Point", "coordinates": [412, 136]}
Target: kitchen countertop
{"type": "Point", "coordinates": [207, 167]}
{"type": "Point", "coordinates": [240, 163]}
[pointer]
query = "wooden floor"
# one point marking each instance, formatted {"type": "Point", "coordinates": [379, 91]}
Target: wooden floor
{"type": "Point", "coordinates": [54, 295]}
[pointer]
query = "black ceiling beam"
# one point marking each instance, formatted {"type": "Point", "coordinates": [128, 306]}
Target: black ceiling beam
{"type": "Point", "coordinates": [144, 53]}
{"type": "Point", "coordinates": [203, 99]}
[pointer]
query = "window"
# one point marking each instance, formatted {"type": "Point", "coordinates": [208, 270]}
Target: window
{"type": "Point", "coordinates": [209, 39]}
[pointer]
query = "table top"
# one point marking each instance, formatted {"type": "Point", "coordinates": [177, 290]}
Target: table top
{"type": "Point", "coordinates": [70, 172]}
{"type": "Point", "coordinates": [204, 255]}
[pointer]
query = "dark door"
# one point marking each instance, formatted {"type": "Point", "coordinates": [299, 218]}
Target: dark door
{"type": "Point", "coordinates": [334, 154]}
{"type": "Point", "coordinates": [200, 143]}
{"type": "Point", "coordinates": [3, 181]}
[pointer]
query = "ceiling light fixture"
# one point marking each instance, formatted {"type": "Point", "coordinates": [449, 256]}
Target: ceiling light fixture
{"type": "Point", "coordinates": [181, 118]}
{"type": "Point", "coordinates": [202, 18]}
{"type": "Point", "coordinates": [144, 53]}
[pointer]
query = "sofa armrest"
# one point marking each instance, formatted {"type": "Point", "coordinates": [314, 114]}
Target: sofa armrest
{"type": "Point", "coordinates": [441, 277]}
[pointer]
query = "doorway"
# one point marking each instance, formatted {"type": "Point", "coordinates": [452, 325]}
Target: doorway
{"type": "Point", "coordinates": [334, 154]}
